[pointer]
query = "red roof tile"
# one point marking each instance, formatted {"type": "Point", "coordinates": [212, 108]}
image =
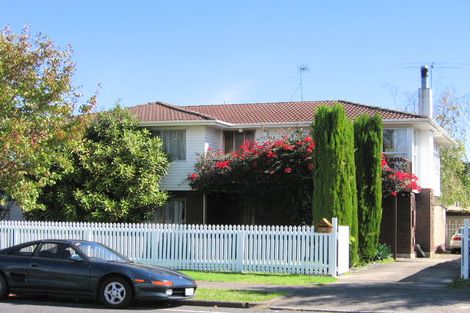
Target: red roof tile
{"type": "Point", "coordinates": [257, 113]}
{"type": "Point", "coordinates": [158, 111]}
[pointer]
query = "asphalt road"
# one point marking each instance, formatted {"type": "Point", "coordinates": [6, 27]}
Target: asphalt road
{"type": "Point", "coordinates": [419, 285]}
{"type": "Point", "coordinates": [39, 305]}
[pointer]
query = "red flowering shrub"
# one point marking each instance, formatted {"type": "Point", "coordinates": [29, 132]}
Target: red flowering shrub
{"type": "Point", "coordinates": [396, 181]}
{"type": "Point", "coordinates": [286, 161]}
{"type": "Point", "coordinates": [274, 176]}
{"type": "Point", "coordinates": [223, 164]}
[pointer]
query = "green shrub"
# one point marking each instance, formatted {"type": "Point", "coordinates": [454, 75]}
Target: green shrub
{"type": "Point", "coordinates": [383, 252]}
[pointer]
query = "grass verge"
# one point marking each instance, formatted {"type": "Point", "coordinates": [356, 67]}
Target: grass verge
{"type": "Point", "coordinates": [254, 278]}
{"type": "Point", "coordinates": [229, 295]}
{"type": "Point", "coordinates": [460, 283]}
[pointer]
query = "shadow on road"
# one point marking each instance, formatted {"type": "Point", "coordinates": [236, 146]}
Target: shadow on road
{"type": "Point", "coordinates": [444, 272]}
{"type": "Point", "coordinates": [425, 291]}
{"type": "Point", "coordinates": [84, 303]}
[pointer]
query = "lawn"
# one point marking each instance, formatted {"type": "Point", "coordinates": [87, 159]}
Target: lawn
{"type": "Point", "coordinates": [229, 295]}
{"type": "Point", "coordinates": [258, 278]}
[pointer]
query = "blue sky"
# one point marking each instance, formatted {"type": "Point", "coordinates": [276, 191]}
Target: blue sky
{"type": "Point", "coordinates": [203, 52]}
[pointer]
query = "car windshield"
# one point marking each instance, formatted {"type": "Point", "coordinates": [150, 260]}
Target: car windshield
{"type": "Point", "coordinates": [460, 231]}
{"type": "Point", "coordinates": [94, 250]}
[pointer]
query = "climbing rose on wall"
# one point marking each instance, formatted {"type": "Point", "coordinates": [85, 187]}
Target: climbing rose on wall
{"type": "Point", "coordinates": [396, 181]}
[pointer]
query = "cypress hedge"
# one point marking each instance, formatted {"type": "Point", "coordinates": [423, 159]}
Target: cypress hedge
{"type": "Point", "coordinates": [368, 137]}
{"type": "Point", "coordinates": [334, 172]}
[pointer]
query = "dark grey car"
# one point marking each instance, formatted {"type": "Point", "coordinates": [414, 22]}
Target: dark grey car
{"type": "Point", "coordinates": [87, 268]}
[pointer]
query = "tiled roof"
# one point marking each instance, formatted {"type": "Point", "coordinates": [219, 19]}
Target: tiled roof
{"type": "Point", "coordinates": [257, 113]}
{"type": "Point", "coordinates": [159, 111]}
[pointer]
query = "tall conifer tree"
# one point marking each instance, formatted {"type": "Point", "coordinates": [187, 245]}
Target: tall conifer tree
{"type": "Point", "coordinates": [368, 137]}
{"type": "Point", "coordinates": [334, 171]}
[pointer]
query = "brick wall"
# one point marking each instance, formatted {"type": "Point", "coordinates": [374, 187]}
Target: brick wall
{"type": "Point", "coordinates": [405, 224]}
{"type": "Point", "coordinates": [424, 216]}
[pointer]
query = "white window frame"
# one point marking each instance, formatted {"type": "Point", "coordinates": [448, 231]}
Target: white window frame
{"type": "Point", "coordinates": [397, 153]}
{"type": "Point", "coordinates": [160, 133]}
{"type": "Point", "coordinates": [233, 133]}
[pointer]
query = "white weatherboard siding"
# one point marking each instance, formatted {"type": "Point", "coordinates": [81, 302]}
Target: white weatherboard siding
{"type": "Point", "coordinates": [425, 169]}
{"type": "Point", "coordinates": [179, 170]}
{"type": "Point", "coordinates": [214, 138]}
{"type": "Point", "coordinates": [198, 140]}
{"type": "Point", "coordinates": [419, 148]}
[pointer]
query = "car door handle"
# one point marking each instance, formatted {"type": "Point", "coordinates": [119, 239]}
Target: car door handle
{"type": "Point", "coordinates": [34, 265]}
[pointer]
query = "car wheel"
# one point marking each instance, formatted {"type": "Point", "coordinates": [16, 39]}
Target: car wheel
{"type": "Point", "coordinates": [454, 251]}
{"type": "Point", "coordinates": [4, 290]}
{"type": "Point", "coordinates": [115, 292]}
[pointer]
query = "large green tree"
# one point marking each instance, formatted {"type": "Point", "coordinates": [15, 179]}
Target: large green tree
{"type": "Point", "coordinates": [334, 174]}
{"type": "Point", "coordinates": [37, 102]}
{"type": "Point", "coordinates": [455, 178]}
{"type": "Point", "coordinates": [452, 113]}
{"type": "Point", "coordinates": [115, 177]}
{"type": "Point", "coordinates": [368, 138]}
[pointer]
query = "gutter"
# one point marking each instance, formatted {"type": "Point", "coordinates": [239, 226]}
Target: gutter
{"type": "Point", "coordinates": [225, 125]}
{"type": "Point", "coordinates": [216, 123]}
{"type": "Point", "coordinates": [422, 123]}
{"type": "Point", "coordinates": [427, 123]}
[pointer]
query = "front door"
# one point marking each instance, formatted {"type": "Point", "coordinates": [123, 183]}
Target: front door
{"type": "Point", "coordinates": [52, 269]}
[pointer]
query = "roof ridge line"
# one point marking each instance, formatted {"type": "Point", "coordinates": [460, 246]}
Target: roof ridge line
{"type": "Point", "coordinates": [379, 108]}
{"type": "Point", "coordinates": [311, 101]}
{"type": "Point", "coordinates": [256, 103]}
{"type": "Point", "coordinates": [179, 108]}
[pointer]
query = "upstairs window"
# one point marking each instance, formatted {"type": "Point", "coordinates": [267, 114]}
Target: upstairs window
{"type": "Point", "coordinates": [234, 139]}
{"type": "Point", "coordinates": [395, 142]}
{"type": "Point", "coordinates": [174, 143]}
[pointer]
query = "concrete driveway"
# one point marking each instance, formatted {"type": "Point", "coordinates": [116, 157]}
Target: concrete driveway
{"type": "Point", "coordinates": [418, 285]}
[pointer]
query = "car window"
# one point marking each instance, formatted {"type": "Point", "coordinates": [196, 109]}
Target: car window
{"type": "Point", "coordinates": [55, 251]}
{"type": "Point", "coordinates": [24, 251]}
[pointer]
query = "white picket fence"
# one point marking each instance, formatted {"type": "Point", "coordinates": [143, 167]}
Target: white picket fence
{"type": "Point", "coordinates": [464, 250]}
{"type": "Point", "coordinates": [272, 249]}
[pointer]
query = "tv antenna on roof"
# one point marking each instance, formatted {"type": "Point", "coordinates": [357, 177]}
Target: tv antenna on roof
{"type": "Point", "coordinates": [434, 65]}
{"type": "Point", "coordinates": [302, 68]}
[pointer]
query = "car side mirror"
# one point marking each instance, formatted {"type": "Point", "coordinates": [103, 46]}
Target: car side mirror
{"type": "Point", "coordinates": [75, 257]}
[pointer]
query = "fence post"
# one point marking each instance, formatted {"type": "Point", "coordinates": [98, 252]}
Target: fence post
{"type": "Point", "coordinates": [333, 249]}
{"type": "Point", "coordinates": [240, 248]}
{"type": "Point", "coordinates": [464, 250]}
{"type": "Point", "coordinates": [16, 233]}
